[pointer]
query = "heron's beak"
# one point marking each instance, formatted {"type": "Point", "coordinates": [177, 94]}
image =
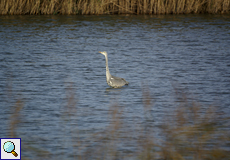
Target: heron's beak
{"type": "Point", "coordinates": [100, 52]}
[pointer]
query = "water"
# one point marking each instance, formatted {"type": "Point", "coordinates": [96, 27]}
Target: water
{"type": "Point", "coordinates": [52, 63]}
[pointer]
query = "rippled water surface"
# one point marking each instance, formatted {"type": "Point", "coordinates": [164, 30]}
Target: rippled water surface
{"type": "Point", "coordinates": [52, 64]}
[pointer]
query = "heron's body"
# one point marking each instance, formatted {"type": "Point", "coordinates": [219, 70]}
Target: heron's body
{"type": "Point", "coordinates": [113, 81]}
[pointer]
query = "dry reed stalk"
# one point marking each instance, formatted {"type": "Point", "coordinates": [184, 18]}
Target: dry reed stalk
{"type": "Point", "coordinates": [155, 7]}
{"type": "Point", "coordinates": [151, 7]}
{"type": "Point", "coordinates": [15, 110]}
{"type": "Point", "coordinates": [126, 11]}
{"type": "Point", "coordinates": [226, 6]}
{"type": "Point", "coordinates": [113, 6]}
{"type": "Point", "coordinates": [181, 6]}
{"type": "Point", "coordinates": [67, 7]}
{"type": "Point", "coordinates": [194, 132]}
{"type": "Point", "coordinates": [146, 6]}
{"type": "Point", "coordinates": [15, 118]}
{"type": "Point", "coordinates": [218, 6]}
{"type": "Point", "coordinates": [4, 7]}
{"type": "Point", "coordinates": [190, 6]}
{"type": "Point", "coordinates": [199, 6]}
{"type": "Point", "coordinates": [35, 7]}
{"type": "Point", "coordinates": [127, 6]}
{"type": "Point", "coordinates": [159, 7]}
{"type": "Point", "coordinates": [191, 132]}
{"type": "Point", "coordinates": [123, 11]}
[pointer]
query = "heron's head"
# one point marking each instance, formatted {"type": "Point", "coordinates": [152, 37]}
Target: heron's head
{"type": "Point", "coordinates": [104, 53]}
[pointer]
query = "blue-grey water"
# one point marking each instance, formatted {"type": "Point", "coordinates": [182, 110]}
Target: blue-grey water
{"type": "Point", "coordinates": [52, 65]}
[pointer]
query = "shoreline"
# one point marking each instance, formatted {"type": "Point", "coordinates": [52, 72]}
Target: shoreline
{"type": "Point", "coordinates": [113, 7]}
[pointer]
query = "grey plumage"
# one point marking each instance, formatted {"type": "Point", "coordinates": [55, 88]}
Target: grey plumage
{"type": "Point", "coordinates": [113, 81]}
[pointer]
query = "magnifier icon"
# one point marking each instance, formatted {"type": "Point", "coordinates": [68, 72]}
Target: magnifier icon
{"type": "Point", "coordinates": [9, 147]}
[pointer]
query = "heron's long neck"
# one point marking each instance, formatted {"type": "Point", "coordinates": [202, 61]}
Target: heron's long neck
{"type": "Point", "coordinates": [108, 75]}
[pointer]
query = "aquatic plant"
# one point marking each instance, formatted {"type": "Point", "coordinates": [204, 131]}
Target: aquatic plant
{"type": "Point", "coordinates": [14, 7]}
{"type": "Point", "coordinates": [190, 131]}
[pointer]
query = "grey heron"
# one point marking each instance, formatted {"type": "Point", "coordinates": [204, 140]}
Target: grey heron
{"type": "Point", "coordinates": [113, 81]}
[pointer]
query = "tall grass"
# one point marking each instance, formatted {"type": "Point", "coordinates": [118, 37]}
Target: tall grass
{"type": "Point", "coordinates": [37, 7]}
{"type": "Point", "coordinates": [191, 131]}
{"type": "Point", "coordinates": [113, 6]}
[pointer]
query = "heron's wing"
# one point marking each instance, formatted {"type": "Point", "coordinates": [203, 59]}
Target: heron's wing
{"type": "Point", "coordinates": [117, 81]}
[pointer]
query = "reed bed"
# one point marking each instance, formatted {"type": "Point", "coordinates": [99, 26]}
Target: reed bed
{"type": "Point", "coordinates": [43, 7]}
{"type": "Point", "coordinates": [191, 131]}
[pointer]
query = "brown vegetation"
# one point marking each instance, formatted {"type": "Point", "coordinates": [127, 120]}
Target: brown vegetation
{"type": "Point", "coordinates": [13, 7]}
{"type": "Point", "coordinates": [191, 131]}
